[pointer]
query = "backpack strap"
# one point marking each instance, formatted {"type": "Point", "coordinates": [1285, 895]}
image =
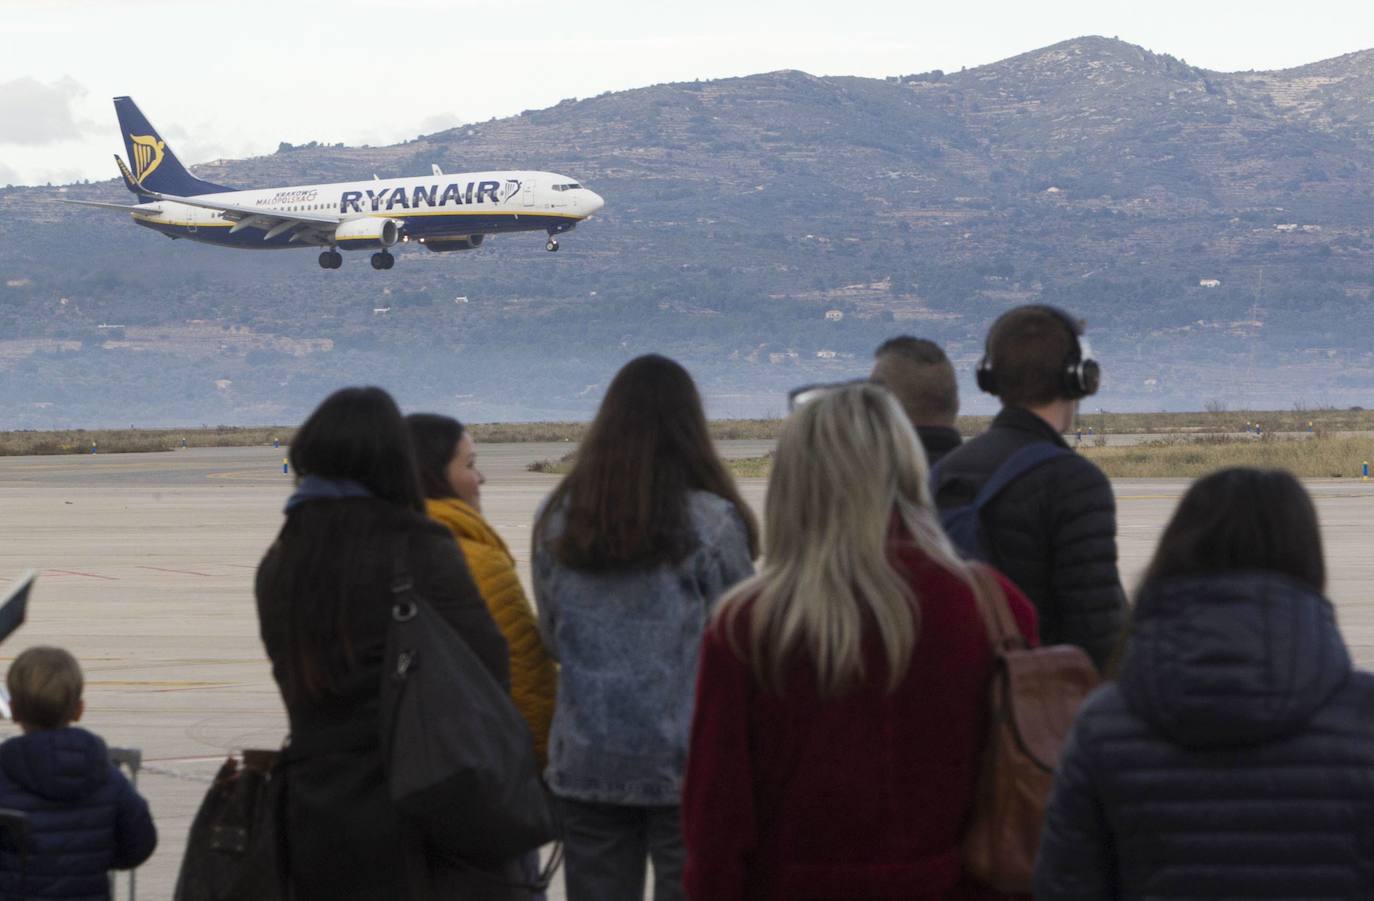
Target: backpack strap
{"type": "Point", "coordinates": [1014, 467]}
{"type": "Point", "coordinates": [1003, 632]}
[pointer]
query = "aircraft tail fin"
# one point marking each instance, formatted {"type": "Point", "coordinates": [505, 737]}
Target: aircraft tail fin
{"type": "Point", "coordinates": [155, 166]}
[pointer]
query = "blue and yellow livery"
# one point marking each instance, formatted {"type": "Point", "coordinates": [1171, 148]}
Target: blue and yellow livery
{"type": "Point", "coordinates": [441, 212]}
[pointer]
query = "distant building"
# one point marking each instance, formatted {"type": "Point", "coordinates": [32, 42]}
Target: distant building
{"type": "Point", "coordinates": [1286, 227]}
{"type": "Point", "coordinates": [378, 311]}
{"type": "Point", "coordinates": [834, 315]}
{"type": "Point", "coordinates": [1209, 283]}
{"type": "Point", "coordinates": [826, 354]}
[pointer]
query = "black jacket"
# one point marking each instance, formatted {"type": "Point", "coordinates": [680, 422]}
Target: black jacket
{"type": "Point", "coordinates": [1233, 759]}
{"type": "Point", "coordinates": [1052, 531]}
{"type": "Point", "coordinates": [346, 841]}
{"type": "Point", "coordinates": [84, 818]}
{"type": "Point", "coordinates": [938, 441]}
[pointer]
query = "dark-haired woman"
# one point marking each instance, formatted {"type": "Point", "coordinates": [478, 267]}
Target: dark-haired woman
{"type": "Point", "coordinates": [631, 552]}
{"type": "Point", "coordinates": [324, 601]}
{"type": "Point", "coordinates": [1233, 758]}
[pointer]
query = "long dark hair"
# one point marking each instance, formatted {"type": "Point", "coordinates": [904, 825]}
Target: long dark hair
{"type": "Point", "coordinates": [358, 434]}
{"type": "Point", "coordinates": [326, 548]}
{"type": "Point", "coordinates": [1242, 519]}
{"type": "Point", "coordinates": [625, 500]}
{"type": "Point", "coordinates": [435, 438]}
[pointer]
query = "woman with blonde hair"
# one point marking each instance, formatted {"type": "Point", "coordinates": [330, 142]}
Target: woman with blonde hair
{"type": "Point", "coordinates": [841, 697]}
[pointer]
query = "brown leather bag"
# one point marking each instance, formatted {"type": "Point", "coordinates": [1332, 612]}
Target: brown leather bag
{"type": "Point", "coordinates": [1032, 700]}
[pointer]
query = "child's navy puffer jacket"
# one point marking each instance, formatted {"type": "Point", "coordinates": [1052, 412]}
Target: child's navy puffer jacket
{"type": "Point", "coordinates": [84, 818]}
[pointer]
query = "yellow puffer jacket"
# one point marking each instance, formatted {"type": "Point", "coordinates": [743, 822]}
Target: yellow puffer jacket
{"type": "Point", "coordinates": [533, 673]}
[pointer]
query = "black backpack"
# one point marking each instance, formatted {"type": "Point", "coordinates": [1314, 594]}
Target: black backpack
{"type": "Point", "coordinates": [964, 524]}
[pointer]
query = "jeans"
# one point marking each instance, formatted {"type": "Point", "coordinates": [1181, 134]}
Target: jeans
{"type": "Point", "coordinates": [606, 846]}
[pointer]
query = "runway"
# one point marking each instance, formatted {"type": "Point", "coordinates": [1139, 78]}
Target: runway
{"type": "Point", "coordinates": [147, 565]}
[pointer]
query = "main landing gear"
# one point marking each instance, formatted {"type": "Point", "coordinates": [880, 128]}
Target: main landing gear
{"type": "Point", "coordinates": [331, 259]}
{"type": "Point", "coordinates": [552, 245]}
{"type": "Point", "coordinates": [383, 260]}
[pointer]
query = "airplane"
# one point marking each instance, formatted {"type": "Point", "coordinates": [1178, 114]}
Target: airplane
{"type": "Point", "coordinates": [441, 212]}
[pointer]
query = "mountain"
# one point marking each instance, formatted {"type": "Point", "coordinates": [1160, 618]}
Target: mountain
{"type": "Point", "coordinates": [1215, 229]}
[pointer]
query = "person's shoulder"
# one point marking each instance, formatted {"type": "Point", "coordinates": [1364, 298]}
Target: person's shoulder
{"type": "Point", "coordinates": [708, 503]}
{"type": "Point", "coordinates": [980, 456]}
{"type": "Point", "coordinates": [710, 512]}
{"type": "Point", "coordinates": [416, 524]}
{"type": "Point", "coordinates": [974, 449]}
{"type": "Point", "coordinates": [1106, 710]}
{"type": "Point", "coordinates": [1356, 696]}
{"type": "Point", "coordinates": [1080, 471]}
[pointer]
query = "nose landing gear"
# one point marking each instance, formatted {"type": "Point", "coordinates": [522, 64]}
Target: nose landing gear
{"type": "Point", "coordinates": [383, 260]}
{"type": "Point", "coordinates": [552, 245]}
{"type": "Point", "coordinates": [331, 259]}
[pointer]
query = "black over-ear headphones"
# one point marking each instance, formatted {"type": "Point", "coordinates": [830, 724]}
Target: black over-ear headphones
{"type": "Point", "coordinates": [1080, 375]}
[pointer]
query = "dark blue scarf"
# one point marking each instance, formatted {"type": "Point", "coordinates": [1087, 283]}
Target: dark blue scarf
{"type": "Point", "coordinates": [319, 488]}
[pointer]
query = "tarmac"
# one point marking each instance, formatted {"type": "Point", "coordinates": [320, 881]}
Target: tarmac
{"type": "Point", "coordinates": [147, 565]}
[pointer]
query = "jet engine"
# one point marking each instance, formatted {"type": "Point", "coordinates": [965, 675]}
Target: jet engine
{"type": "Point", "coordinates": [445, 243]}
{"type": "Point", "coordinates": [357, 234]}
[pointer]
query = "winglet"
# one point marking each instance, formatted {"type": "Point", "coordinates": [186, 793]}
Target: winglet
{"type": "Point", "coordinates": [124, 171]}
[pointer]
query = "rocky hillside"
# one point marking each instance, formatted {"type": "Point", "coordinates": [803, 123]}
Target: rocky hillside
{"type": "Point", "coordinates": [1215, 229]}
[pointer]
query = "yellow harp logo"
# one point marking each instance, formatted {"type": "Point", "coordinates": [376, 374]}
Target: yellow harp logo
{"type": "Point", "coordinates": [147, 155]}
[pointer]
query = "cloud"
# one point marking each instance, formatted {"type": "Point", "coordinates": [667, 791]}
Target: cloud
{"type": "Point", "coordinates": [7, 175]}
{"type": "Point", "coordinates": [441, 122]}
{"type": "Point", "coordinates": [33, 113]}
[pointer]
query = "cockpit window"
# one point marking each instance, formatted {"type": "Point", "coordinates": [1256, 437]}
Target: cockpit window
{"type": "Point", "coordinates": [573, 186]}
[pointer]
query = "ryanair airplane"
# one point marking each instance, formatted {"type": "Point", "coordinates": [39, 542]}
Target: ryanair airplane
{"type": "Point", "coordinates": [441, 212]}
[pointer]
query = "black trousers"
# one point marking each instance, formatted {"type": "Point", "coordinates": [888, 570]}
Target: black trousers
{"type": "Point", "coordinates": [606, 846]}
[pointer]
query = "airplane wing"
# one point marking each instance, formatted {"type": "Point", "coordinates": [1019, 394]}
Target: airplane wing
{"type": "Point", "coordinates": [146, 209]}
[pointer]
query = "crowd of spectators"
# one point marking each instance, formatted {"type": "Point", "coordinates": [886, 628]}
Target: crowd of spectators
{"type": "Point", "coordinates": [794, 712]}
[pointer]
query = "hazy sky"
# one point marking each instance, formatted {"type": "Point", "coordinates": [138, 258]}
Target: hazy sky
{"type": "Point", "coordinates": [235, 77]}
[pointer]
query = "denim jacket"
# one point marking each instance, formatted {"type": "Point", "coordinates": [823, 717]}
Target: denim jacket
{"type": "Point", "coordinates": [628, 642]}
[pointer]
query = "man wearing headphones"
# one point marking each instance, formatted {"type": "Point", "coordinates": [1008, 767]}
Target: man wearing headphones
{"type": "Point", "coordinates": [1052, 528]}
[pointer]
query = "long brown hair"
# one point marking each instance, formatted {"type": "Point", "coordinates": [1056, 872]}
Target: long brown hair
{"type": "Point", "coordinates": [1240, 518]}
{"type": "Point", "coordinates": [625, 500]}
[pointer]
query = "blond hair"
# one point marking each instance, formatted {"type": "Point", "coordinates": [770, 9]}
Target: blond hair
{"type": "Point", "coordinates": [45, 687]}
{"type": "Point", "coordinates": [846, 464]}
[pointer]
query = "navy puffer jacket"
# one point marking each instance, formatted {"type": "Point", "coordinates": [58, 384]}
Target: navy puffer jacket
{"type": "Point", "coordinates": [1233, 759]}
{"type": "Point", "coordinates": [84, 818]}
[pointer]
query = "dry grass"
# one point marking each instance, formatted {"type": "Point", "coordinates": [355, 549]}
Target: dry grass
{"type": "Point", "coordinates": [1320, 456]}
{"type": "Point", "coordinates": [558, 467]}
{"type": "Point", "coordinates": [1234, 422]}
{"type": "Point", "coordinates": [740, 468]}
{"type": "Point", "coordinates": [524, 432]}
{"type": "Point", "coordinates": [124, 441]}
{"type": "Point", "coordinates": [1227, 422]}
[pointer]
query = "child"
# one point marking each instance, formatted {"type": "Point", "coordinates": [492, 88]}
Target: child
{"type": "Point", "coordinates": [84, 818]}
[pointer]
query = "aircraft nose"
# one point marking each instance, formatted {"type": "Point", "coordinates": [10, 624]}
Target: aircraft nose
{"type": "Point", "coordinates": [593, 202]}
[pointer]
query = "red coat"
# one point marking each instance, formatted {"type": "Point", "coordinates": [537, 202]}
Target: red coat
{"type": "Point", "coordinates": [860, 797]}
